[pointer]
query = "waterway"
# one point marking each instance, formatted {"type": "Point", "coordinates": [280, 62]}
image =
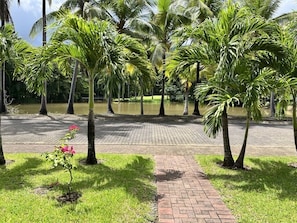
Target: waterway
{"type": "Point", "coordinates": [130, 108]}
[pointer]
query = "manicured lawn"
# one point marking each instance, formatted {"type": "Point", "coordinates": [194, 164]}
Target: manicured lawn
{"type": "Point", "coordinates": [266, 193]}
{"type": "Point", "coordinates": [120, 189]}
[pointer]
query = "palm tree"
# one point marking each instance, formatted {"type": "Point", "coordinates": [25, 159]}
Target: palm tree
{"type": "Point", "coordinates": [171, 15]}
{"type": "Point", "coordinates": [7, 41]}
{"type": "Point", "coordinates": [84, 9]}
{"type": "Point", "coordinates": [266, 9]}
{"type": "Point", "coordinates": [98, 47]}
{"type": "Point", "coordinates": [225, 42]}
{"type": "Point", "coordinates": [288, 81]}
{"type": "Point", "coordinates": [5, 17]}
{"type": "Point", "coordinates": [128, 17]}
{"type": "Point", "coordinates": [43, 109]}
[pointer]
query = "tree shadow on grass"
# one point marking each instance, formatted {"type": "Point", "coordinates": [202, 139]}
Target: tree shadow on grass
{"type": "Point", "coordinates": [14, 178]}
{"type": "Point", "coordinates": [266, 174]}
{"type": "Point", "coordinates": [135, 177]}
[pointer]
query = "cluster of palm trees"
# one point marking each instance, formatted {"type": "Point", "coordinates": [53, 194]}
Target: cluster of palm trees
{"type": "Point", "coordinates": [242, 53]}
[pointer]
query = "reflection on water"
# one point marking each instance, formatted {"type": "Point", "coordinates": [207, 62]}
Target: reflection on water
{"type": "Point", "coordinates": [131, 108]}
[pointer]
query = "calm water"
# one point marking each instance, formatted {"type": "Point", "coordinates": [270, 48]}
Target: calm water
{"type": "Point", "coordinates": [132, 108]}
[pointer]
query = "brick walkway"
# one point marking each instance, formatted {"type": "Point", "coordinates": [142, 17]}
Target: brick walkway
{"type": "Point", "coordinates": [184, 193]}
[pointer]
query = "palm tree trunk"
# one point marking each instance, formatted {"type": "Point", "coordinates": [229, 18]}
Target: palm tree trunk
{"type": "Point", "coordinates": [109, 104]}
{"type": "Point", "coordinates": [2, 90]}
{"type": "Point", "coordinates": [228, 158]}
{"type": "Point", "coordinates": [2, 158]}
{"type": "Point", "coordinates": [272, 105]}
{"type": "Point", "coordinates": [294, 120]}
{"type": "Point", "coordinates": [2, 104]}
{"type": "Point", "coordinates": [239, 162]}
{"type": "Point", "coordinates": [70, 109]}
{"type": "Point", "coordinates": [2, 73]}
{"type": "Point", "coordinates": [186, 105]}
{"type": "Point", "coordinates": [141, 103]}
{"type": "Point", "coordinates": [162, 110]}
{"type": "Point", "coordinates": [43, 110]}
{"type": "Point", "coordinates": [196, 102]}
{"type": "Point", "coordinates": [91, 158]}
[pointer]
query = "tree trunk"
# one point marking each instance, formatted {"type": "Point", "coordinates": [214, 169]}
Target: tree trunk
{"type": "Point", "coordinates": [91, 158]}
{"type": "Point", "coordinates": [2, 90]}
{"type": "Point", "coordinates": [196, 102]}
{"type": "Point", "coordinates": [239, 162]}
{"type": "Point", "coordinates": [141, 103]}
{"type": "Point", "coordinates": [228, 158]}
{"type": "Point", "coordinates": [162, 110]}
{"type": "Point", "coordinates": [186, 105]}
{"type": "Point", "coordinates": [2, 73]}
{"type": "Point", "coordinates": [119, 92]}
{"type": "Point", "coordinates": [272, 105]}
{"type": "Point", "coordinates": [43, 110]}
{"type": "Point", "coordinates": [109, 104]}
{"type": "Point", "coordinates": [2, 104]}
{"type": "Point", "coordinates": [2, 158]}
{"type": "Point", "coordinates": [294, 120]}
{"type": "Point", "coordinates": [70, 109]}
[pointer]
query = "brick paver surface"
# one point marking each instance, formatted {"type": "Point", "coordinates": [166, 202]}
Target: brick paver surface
{"type": "Point", "coordinates": [184, 192]}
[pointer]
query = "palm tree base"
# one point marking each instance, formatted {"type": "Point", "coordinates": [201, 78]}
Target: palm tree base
{"type": "Point", "coordinates": [228, 162]}
{"type": "Point", "coordinates": [2, 161]}
{"type": "Point", "coordinates": [91, 161]}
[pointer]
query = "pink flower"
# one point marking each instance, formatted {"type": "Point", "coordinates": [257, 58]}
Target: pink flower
{"type": "Point", "coordinates": [73, 128]}
{"type": "Point", "coordinates": [72, 151]}
{"type": "Point", "coordinates": [66, 149]}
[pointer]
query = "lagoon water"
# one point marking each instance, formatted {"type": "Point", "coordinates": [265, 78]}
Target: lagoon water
{"type": "Point", "coordinates": [126, 108]}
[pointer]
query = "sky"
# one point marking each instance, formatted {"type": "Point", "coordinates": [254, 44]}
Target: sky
{"type": "Point", "coordinates": [26, 14]}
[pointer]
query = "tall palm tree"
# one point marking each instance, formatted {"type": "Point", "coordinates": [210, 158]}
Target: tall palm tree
{"type": "Point", "coordinates": [43, 108]}
{"type": "Point", "coordinates": [98, 47]}
{"type": "Point", "coordinates": [5, 17]}
{"type": "Point", "coordinates": [128, 17]}
{"type": "Point", "coordinates": [170, 15]}
{"type": "Point", "coordinates": [7, 40]}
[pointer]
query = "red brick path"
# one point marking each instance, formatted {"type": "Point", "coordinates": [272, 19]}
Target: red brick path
{"type": "Point", "coordinates": [185, 195]}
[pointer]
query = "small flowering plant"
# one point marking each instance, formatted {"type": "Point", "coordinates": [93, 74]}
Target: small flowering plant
{"type": "Point", "coordinates": [63, 153]}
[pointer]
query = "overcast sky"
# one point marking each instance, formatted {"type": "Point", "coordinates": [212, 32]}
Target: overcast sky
{"type": "Point", "coordinates": [29, 11]}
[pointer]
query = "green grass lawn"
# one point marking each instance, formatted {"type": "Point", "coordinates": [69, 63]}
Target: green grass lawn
{"type": "Point", "coordinates": [120, 189]}
{"type": "Point", "coordinates": [266, 193]}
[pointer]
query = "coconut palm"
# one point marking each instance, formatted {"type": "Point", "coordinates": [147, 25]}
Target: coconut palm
{"type": "Point", "coordinates": [43, 109]}
{"type": "Point", "coordinates": [170, 15]}
{"type": "Point", "coordinates": [128, 17]}
{"type": "Point", "coordinates": [99, 48]}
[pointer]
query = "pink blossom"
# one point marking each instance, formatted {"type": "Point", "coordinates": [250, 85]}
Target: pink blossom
{"type": "Point", "coordinates": [73, 128]}
{"type": "Point", "coordinates": [72, 151]}
{"type": "Point", "coordinates": [64, 149]}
